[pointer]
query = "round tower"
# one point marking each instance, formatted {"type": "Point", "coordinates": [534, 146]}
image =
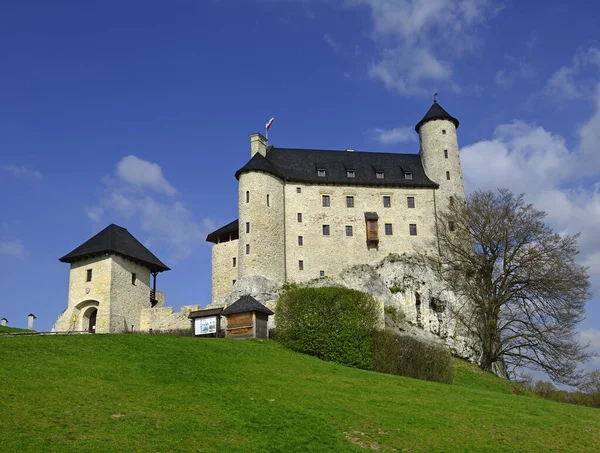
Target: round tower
{"type": "Point", "coordinates": [261, 218]}
{"type": "Point", "coordinates": [439, 153]}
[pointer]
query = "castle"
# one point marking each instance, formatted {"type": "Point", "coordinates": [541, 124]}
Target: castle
{"type": "Point", "coordinates": [305, 214]}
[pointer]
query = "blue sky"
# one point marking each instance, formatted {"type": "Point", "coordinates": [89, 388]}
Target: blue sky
{"type": "Point", "coordinates": [138, 113]}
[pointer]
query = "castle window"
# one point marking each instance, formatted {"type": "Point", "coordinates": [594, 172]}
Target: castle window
{"type": "Point", "coordinates": [407, 175]}
{"type": "Point", "coordinates": [379, 174]}
{"type": "Point", "coordinates": [247, 196]}
{"type": "Point", "coordinates": [443, 131]}
{"type": "Point", "coordinates": [300, 265]}
{"type": "Point", "coordinates": [349, 201]}
{"type": "Point", "coordinates": [298, 189]}
{"type": "Point", "coordinates": [89, 276]}
{"type": "Point", "coordinates": [349, 231]}
{"type": "Point", "coordinates": [351, 174]}
{"type": "Point", "coordinates": [450, 226]}
{"type": "Point", "coordinates": [326, 201]}
{"type": "Point", "coordinates": [247, 249]}
{"type": "Point", "coordinates": [300, 217]}
{"type": "Point", "coordinates": [321, 273]}
{"type": "Point", "coordinates": [133, 278]}
{"type": "Point", "coordinates": [300, 240]}
{"type": "Point", "coordinates": [234, 262]}
{"type": "Point", "coordinates": [448, 175]}
{"type": "Point", "coordinates": [268, 203]}
{"type": "Point", "coordinates": [233, 282]}
{"type": "Point", "coordinates": [388, 229]}
{"type": "Point", "coordinates": [410, 201]}
{"type": "Point", "coordinates": [387, 201]}
{"type": "Point", "coordinates": [321, 172]}
{"type": "Point", "coordinates": [446, 153]}
{"type": "Point", "coordinates": [451, 201]}
{"type": "Point", "coordinates": [247, 227]}
{"type": "Point", "coordinates": [413, 229]}
{"type": "Point", "coordinates": [325, 230]}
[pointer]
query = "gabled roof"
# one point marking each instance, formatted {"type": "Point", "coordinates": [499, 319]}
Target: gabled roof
{"type": "Point", "coordinates": [224, 232]}
{"type": "Point", "coordinates": [436, 112]}
{"type": "Point", "coordinates": [246, 304]}
{"type": "Point", "coordinates": [116, 239]}
{"type": "Point", "coordinates": [301, 165]}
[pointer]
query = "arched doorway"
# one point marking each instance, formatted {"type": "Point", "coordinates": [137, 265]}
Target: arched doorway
{"type": "Point", "coordinates": [89, 320]}
{"type": "Point", "coordinates": [92, 324]}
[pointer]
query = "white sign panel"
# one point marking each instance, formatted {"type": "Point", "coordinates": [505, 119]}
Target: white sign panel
{"type": "Point", "coordinates": [204, 326]}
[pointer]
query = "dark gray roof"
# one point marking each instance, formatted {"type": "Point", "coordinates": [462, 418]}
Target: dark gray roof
{"type": "Point", "coordinates": [301, 165]}
{"type": "Point", "coordinates": [116, 239]}
{"type": "Point", "coordinates": [371, 216]}
{"type": "Point", "coordinates": [246, 304]}
{"type": "Point", "coordinates": [204, 313]}
{"type": "Point", "coordinates": [224, 232]}
{"type": "Point", "coordinates": [436, 112]}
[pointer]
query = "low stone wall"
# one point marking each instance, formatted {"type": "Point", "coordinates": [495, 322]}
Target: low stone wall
{"type": "Point", "coordinates": [165, 318]}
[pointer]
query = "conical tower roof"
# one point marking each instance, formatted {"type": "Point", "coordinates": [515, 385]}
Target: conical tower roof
{"type": "Point", "coordinates": [436, 112]}
{"type": "Point", "coordinates": [116, 239]}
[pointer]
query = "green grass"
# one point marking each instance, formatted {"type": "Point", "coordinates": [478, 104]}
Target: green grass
{"type": "Point", "coordinates": [6, 329]}
{"type": "Point", "coordinates": [113, 393]}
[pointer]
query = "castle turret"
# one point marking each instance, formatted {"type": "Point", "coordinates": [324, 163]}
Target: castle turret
{"type": "Point", "coordinates": [261, 216]}
{"type": "Point", "coordinates": [439, 153]}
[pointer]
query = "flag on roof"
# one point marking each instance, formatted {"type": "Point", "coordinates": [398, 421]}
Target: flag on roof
{"type": "Point", "coordinates": [268, 125]}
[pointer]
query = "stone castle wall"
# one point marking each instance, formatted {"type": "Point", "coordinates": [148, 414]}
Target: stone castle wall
{"type": "Point", "coordinates": [223, 271]}
{"type": "Point", "coordinates": [165, 319]}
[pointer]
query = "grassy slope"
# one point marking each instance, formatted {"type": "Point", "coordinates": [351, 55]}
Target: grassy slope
{"type": "Point", "coordinates": [6, 329]}
{"type": "Point", "coordinates": [156, 393]}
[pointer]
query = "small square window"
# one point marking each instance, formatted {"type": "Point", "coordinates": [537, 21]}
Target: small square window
{"type": "Point", "coordinates": [448, 175]}
{"type": "Point", "coordinates": [446, 153]}
{"type": "Point", "coordinates": [300, 217]}
{"type": "Point", "coordinates": [325, 230]}
{"type": "Point", "coordinates": [451, 201]}
{"type": "Point", "coordinates": [321, 273]}
{"type": "Point", "coordinates": [247, 227]}
{"type": "Point", "coordinates": [410, 201]}
{"type": "Point", "coordinates": [351, 174]}
{"type": "Point", "coordinates": [443, 131]}
{"type": "Point", "coordinates": [349, 201]}
{"type": "Point", "coordinates": [450, 226]}
{"type": "Point", "coordinates": [268, 201]}
{"type": "Point", "coordinates": [387, 201]}
{"type": "Point", "coordinates": [372, 225]}
{"type": "Point", "coordinates": [133, 278]}
{"type": "Point", "coordinates": [234, 262]}
{"type": "Point", "coordinates": [413, 229]}
{"type": "Point", "coordinates": [247, 249]}
{"type": "Point", "coordinates": [321, 172]}
{"type": "Point", "coordinates": [300, 240]}
{"type": "Point", "coordinates": [298, 189]}
{"type": "Point", "coordinates": [89, 276]}
{"type": "Point", "coordinates": [388, 229]}
{"type": "Point", "coordinates": [379, 174]}
{"type": "Point", "coordinates": [300, 265]}
{"type": "Point", "coordinates": [233, 282]}
{"type": "Point", "coordinates": [408, 175]}
{"type": "Point", "coordinates": [349, 231]}
{"type": "Point", "coordinates": [247, 196]}
{"type": "Point", "coordinates": [325, 201]}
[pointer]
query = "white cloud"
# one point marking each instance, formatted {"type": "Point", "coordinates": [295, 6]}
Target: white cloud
{"type": "Point", "coordinates": [12, 248]}
{"type": "Point", "coordinates": [401, 134]}
{"type": "Point", "coordinates": [23, 172]}
{"type": "Point", "coordinates": [419, 41]}
{"type": "Point", "coordinates": [142, 174]}
{"type": "Point", "coordinates": [592, 336]}
{"type": "Point", "coordinates": [146, 200]}
{"type": "Point", "coordinates": [570, 82]}
{"type": "Point", "coordinates": [518, 69]}
{"type": "Point", "coordinates": [332, 43]}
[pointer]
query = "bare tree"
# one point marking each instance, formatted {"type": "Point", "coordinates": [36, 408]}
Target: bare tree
{"type": "Point", "coordinates": [524, 292]}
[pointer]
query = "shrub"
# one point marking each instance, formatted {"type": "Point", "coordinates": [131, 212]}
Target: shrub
{"type": "Point", "coordinates": [405, 355]}
{"type": "Point", "coordinates": [335, 324]}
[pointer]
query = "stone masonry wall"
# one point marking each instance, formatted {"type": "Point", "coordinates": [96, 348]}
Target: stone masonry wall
{"type": "Point", "coordinates": [166, 319]}
{"type": "Point", "coordinates": [223, 271]}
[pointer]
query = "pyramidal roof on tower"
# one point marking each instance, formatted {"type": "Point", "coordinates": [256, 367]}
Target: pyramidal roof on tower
{"type": "Point", "coordinates": [116, 239]}
{"type": "Point", "coordinates": [436, 112]}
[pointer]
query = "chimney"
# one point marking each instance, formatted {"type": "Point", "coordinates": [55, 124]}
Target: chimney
{"type": "Point", "coordinates": [30, 319]}
{"type": "Point", "coordinates": [3, 322]}
{"type": "Point", "coordinates": [258, 144]}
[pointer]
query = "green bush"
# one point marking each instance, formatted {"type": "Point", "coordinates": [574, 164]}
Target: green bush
{"type": "Point", "coordinates": [335, 324]}
{"type": "Point", "coordinates": [405, 355]}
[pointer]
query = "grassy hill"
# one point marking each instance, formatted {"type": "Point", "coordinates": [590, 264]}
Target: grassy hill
{"type": "Point", "coordinates": [164, 394]}
{"type": "Point", "coordinates": [6, 329]}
